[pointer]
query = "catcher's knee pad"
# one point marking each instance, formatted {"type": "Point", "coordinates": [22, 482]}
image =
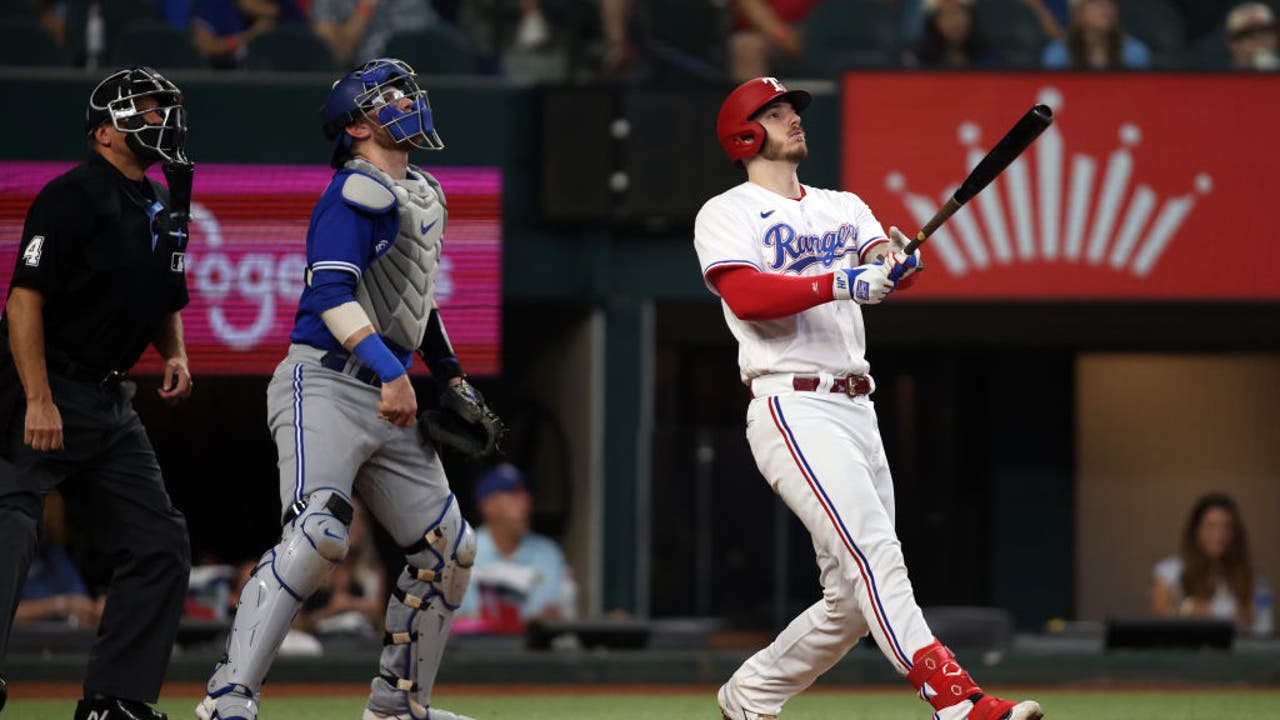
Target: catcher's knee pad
{"type": "Point", "coordinates": [313, 541]}
{"type": "Point", "coordinates": [420, 612]}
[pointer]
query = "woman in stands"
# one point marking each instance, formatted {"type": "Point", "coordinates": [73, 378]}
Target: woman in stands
{"type": "Point", "coordinates": [1212, 575]}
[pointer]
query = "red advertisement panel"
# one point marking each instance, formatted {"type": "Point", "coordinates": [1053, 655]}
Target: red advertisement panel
{"type": "Point", "coordinates": [1146, 187]}
{"type": "Point", "coordinates": [247, 254]}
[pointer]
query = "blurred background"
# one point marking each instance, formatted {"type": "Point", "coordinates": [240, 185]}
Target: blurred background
{"type": "Point", "coordinates": [1094, 347]}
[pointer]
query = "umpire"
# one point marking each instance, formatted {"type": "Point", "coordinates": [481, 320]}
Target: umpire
{"type": "Point", "coordinates": [99, 276]}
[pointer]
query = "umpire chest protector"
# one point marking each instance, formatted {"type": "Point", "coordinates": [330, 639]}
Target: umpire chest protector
{"type": "Point", "coordinates": [397, 288]}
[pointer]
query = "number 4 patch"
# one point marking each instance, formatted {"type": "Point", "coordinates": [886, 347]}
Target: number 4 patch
{"type": "Point", "coordinates": [31, 256]}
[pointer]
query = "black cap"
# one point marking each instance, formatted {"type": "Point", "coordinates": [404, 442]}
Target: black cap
{"type": "Point", "coordinates": [96, 112]}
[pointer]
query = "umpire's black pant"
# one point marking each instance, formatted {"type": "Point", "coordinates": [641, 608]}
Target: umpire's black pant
{"type": "Point", "coordinates": [107, 472]}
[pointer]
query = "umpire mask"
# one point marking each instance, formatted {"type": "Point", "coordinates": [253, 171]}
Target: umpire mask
{"type": "Point", "coordinates": [116, 100]}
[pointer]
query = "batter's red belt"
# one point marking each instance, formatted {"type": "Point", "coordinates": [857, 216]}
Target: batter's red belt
{"type": "Point", "coordinates": [850, 385]}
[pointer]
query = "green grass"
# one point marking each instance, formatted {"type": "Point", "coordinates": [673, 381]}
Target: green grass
{"type": "Point", "coordinates": [1157, 704]}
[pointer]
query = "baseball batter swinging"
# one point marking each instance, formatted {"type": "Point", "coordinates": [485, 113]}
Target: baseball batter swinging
{"type": "Point", "coordinates": [793, 266]}
{"type": "Point", "coordinates": [344, 414]}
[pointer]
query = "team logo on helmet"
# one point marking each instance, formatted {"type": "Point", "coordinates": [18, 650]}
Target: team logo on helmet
{"type": "Point", "coordinates": [378, 90]}
{"type": "Point", "coordinates": [118, 100]}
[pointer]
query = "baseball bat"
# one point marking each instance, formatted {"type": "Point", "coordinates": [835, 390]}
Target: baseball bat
{"type": "Point", "coordinates": [1019, 138]}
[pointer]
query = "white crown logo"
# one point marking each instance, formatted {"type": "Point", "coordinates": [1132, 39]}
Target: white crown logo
{"type": "Point", "coordinates": [1066, 236]}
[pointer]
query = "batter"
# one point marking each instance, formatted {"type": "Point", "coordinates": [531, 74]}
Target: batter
{"type": "Point", "coordinates": [793, 266]}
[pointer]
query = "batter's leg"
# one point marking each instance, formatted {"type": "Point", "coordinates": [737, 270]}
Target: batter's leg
{"type": "Point", "coordinates": [805, 448]}
{"type": "Point", "coordinates": [814, 641]}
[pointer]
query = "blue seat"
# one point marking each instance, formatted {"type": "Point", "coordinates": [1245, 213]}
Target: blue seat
{"type": "Point", "coordinates": [17, 10]}
{"type": "Point", "coordinates": [154, 43]}
{"type": "Point", "coordinates": [289, 48]}
{"type": "Point", "coordinates": [24, 42]}
{"type": "Point", "coordinates": [1011, 30]}
{"type": "Point", "coordinates": [850, 34]}
{"type": "Point", "coordinates": [1160, 26]}
{"type": "Point", "coordinates": [437, 51]}
{"type": "Point", "coordinates": [690, 27]}
{"type": "Point", "coordinates": [1210, 52]}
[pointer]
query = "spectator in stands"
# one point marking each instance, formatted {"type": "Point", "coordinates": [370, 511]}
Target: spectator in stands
{"type": "Point", "coordinates": [518, 574]}
{"type": "Point", "coordinates": [355, 597]}
{"type": "Point", "coordinates": [52, 15]}
{"type": "Point", "coordinates": [1051, 14]}
{"type": "Point", "coordinates": [221, 29]}
{"type": "Point", "coordinates": [532, 31]}
{"type": "Point", "coordinates": [767, 35]}
{"type": "Point", "coordinates": [1212, 575]}
{"type": "Point", "coordinates": [1096, 40]}
{"type": "Point", "coordinates": [54, 588]}
{"type": "Point", "coordinates": [950, 39]}
{"type": "Point", "coordinates": [358, 30]}
{"type": "Point", "coordinates": [176, 12]}
{"type": "Point", "coordinates": [615, 26]}
{"type": "Point", "coordinates": [1251, 37]}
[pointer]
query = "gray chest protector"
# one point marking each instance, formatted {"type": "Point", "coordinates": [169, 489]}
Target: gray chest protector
{"type": "Point", "coordinates": [397, 288]}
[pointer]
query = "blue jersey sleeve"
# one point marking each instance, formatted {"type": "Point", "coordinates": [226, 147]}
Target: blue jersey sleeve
{"type": "Point", "coordinates": [340, 245]}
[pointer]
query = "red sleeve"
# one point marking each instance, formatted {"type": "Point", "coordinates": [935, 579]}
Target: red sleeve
{"type": "Point", "coordinates": [755, 295]}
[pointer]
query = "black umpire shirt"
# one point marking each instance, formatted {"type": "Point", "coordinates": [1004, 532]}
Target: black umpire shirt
{"type": "Point", "coordinates": [98, 248]}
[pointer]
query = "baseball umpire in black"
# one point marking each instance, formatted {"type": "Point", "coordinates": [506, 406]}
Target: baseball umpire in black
{"type": "Point", "coordinates": [99, 276]}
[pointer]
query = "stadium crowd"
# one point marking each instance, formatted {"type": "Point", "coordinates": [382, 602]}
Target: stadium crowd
{"type": "Point", "coordinates": [642, 39]}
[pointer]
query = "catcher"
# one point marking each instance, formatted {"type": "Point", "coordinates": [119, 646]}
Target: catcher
{"type": "Point", "coordinates": [344, 414]}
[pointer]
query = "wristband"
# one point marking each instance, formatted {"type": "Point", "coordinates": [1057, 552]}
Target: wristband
{"type": "Point", "coordinates": [375, 354]}
{"type": "Point", "coordinates": [843, 284]}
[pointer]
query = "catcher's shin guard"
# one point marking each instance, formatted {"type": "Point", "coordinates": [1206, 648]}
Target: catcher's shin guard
{"type": "Point", "coordinates": [420, 613]}
{"type": "Point", "coordinates": [939, 679]}
{"type": "Point", "coordinates": [314, 540]}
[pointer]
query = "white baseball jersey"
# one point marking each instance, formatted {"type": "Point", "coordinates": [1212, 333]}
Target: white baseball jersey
{"type": "Point", "coordinates": [819, 451]}
{"type": "Point", "coordinates": [823, 231]}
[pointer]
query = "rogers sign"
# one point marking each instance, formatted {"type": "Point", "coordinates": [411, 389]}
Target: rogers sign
{"type": "Point", "coordinates": [1138, 182]}
{"type": "Point", "coordinates": [246, 259]}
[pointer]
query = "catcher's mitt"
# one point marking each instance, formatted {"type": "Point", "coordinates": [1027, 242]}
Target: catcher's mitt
{"type": "Point", "coordinates": [463, 422]}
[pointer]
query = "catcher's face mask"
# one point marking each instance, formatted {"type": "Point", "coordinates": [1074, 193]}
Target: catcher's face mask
{"type": "Point", "coordinates": [386, 91]}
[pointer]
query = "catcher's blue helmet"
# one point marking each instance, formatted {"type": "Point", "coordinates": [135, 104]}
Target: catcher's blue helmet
{"type": "Point", "coordinates": [376, 90]}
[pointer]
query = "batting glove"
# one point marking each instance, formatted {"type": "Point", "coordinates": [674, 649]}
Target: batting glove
{"type": "Point", "coordinates": [865, 284]}
{"type": "Point", "coordinates": [901, 266]}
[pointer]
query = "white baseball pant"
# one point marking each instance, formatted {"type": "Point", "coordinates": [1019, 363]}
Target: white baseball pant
{"type": "Point", "coordinates": [822, 453]}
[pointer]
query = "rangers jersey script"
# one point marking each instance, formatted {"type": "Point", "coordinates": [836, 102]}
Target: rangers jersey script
{"type": "Point", "coordinates": [823, 231]}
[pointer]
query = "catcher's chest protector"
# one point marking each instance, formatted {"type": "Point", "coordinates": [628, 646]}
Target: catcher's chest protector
{"type": "Point", "coordinates": [397, 288]}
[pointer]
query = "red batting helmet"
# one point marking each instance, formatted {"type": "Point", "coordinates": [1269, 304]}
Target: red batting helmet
{"type": "Point", "coordinates": [740, 136]}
